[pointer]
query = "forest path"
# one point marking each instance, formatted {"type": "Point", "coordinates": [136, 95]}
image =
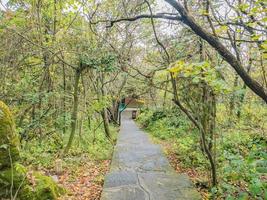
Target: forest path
{"type": "Point", "coordinates": [140, 171]}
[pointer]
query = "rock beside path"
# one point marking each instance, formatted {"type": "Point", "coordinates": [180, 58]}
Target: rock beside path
{"type": "Point", "coordinates": [9, 140]}
{"type": "Point", "coordinates": [15, 179]}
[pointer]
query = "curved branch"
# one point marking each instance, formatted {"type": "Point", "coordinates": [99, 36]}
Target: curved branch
{"type": "Point", "coordinates": [144, 16]}
{"type": "Point", "coordinates": [155, 33]}
{"type": "Point", "coordinates": [188, 19]}
{"type": "Point", "coordinates": [221, 49]}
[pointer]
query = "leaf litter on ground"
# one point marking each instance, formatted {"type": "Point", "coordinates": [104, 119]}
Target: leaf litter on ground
{"type": "Point", "coordinates": [83, 180]}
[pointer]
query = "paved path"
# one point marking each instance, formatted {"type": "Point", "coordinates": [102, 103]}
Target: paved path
{"type": "Point", "coordinates": [140, 171]}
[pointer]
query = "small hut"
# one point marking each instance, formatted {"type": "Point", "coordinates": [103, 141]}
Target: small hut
{"type": "Point", "coordinates": [132, 104]}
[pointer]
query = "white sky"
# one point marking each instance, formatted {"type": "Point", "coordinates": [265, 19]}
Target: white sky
{"type": "Point", "coordinates": [3, 2]}
{"type": "Point", "coordinates": [161, 4]}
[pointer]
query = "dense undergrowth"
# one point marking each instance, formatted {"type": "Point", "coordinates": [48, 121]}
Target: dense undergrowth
{"type": "Point", "coordinates": [81, 172]}
{"type": "Point", "coordinates": [241, 156]}
{"type": "Point", "coordinates": [90, 143]}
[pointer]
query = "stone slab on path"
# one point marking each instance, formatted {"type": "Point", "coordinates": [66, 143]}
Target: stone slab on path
{"type": "Point", "coordinates": [140, 170]}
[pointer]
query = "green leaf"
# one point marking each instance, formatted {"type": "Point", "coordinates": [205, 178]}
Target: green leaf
{"type": "Point", "coordinates": [243, 6]}
{"type": "Point", "coordinates": [4, 146]}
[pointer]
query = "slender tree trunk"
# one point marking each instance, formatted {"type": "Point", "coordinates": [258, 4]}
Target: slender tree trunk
{"type": "Point", "coordinates": [201, 130]}
{"type": "Point", "coordinates": [74, 111]}
{"type": "Point", "coordinates": [242, 96]}
{"type": "Point", "coordinates": [89, 121]}
{"type": "Point", "coordinates": [165, 91]}
{"type": "Point", "coordinates": [64, 99]}
{"type": "Point", "coordinates": [213, 125]}
{"type": "Point", "coordinates": [104, 112]}
{"type": "Point", "coordinates": [203, 138]}
{"type": "Point", "coordinates": [104, 115]}
{"type": "Point", "coordinates": [120, 117]}
{"type": "Point", "coordinates": [114, 112]}
{"type": "Point", "coordinates": [233, 99]}
{"type": "Point", "coordinates": [241, 101]}
{"type": "Point", "coordinates": [80, 127]}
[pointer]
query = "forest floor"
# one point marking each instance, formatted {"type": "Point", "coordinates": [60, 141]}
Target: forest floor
{"type": "Point", "coordinates": [85, 181]}
{"type": "Point", "coordinates": [82, 180]}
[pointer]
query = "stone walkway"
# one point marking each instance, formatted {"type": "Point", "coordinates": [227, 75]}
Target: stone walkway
{"type": "Point", "coordinates": [140, 171]}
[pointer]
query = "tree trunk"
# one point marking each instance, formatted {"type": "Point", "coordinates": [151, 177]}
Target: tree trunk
{"type": "Point", "coordinates": [220, 48]}
{"type": "Point", "coordinates": [104, 115]}
{"type": "Point", "coordinates": [64, 98]}
{"type": "Point", "coordinates": [201, 130]}
{"type": "Point", "coordinates": [114, 112]}
{"type": "Point", "coordinates": [104, 112]}
{"type": "Point", "coordinates": [165, 91]}
{"type": "Point", "coordinates": [74, 111]}
{"type": "Point", "coordinates": [232, 99]}
{"type": "Point", "coordinates": [242, 96]}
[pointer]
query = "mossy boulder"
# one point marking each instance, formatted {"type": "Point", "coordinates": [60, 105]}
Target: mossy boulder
{"type": "Point", "coordinates": [28, 186]}
{"type": "Point", "coordinates": [9, 140]}
{"type": "Point", "coordinates": [46, 188]}
{"type": "Point", "coordinates": [15, 180]}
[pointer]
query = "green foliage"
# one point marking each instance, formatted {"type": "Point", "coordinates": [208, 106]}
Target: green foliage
{"type": "Point", "coordinates": [188, 151]}
{"type": "Point", "coordinates": [200, 72]}
{"type": "Point", "coordinates": [92, 143]}
{"type": "Point", "coordinates": [243, 162]}
{"type": "Point", "coordinates": [17, 180]}
{"type": "Point", "coordinates": [9, 140]}
{"type": "Point", "coordinates": [144, 118]}
{"type": "Point", "coordinates": [105, 63]}
{"type": "Point", "coordinates": [169, 117]}
{"type": "Point", "coordinates": [101, 103]}
{"type": "Point", "coordinates": [172, 126]}
{"type": "Point", "coordinates": [45, 188]}
{"type": "Point", "coordinates": [41, 153]}
{"type": "Point", "coordinates": [241, 159]}
{"type": "Point", "coordinates": [15, 175]}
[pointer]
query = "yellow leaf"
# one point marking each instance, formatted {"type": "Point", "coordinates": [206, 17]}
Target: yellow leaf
{"type": "Point", "coordinates": [177, 66]}
{"type": "Point", "coordinates": [221, 29]}
{"type": "Point", "coordinates": [140, 101]}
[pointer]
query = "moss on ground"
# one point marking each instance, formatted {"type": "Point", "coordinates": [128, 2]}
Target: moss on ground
{"type": "Point", "coordinates": [26, 186]}
{"type": "Point", "coordinates": [46, 188]}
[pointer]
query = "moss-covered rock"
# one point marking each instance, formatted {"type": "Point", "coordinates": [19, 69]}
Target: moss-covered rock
{"type": "Point", "coordinates": [34, 186]}
{"type": "Point", "coordinates": [14, 178]}
{"type": "Point", "coordinates": [9, 140]}
{"type": "Point", "coordinates": [46, 188]}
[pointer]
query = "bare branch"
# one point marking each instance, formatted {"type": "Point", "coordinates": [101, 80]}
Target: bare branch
{"type": "Point", "coordinates": [144, 16]}
{"type": "Point", "coordinates": [40, 46]}
{"type": "Point", "coordinates": [155, 33]}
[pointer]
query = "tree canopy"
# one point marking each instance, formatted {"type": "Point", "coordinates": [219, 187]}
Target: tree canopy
{"type": "Point", "coordinates": [66, 68]}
